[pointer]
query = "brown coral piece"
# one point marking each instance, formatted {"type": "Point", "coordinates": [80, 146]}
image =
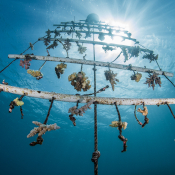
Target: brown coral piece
{"type": "Point", "coordinates": [152, 80]}
{"type": "Point", "coordinates": [151, 57]}
{"type": "Point", "coordinates": [144, 111]}
{"type": "Point", "coordinates": [136, 76]}
{"type": "Point", "coordinates": [79, 81]}
{"type": "Point", "coordinates": [111, 77]}
{"type": "Point", "coordinates": [59, 69]}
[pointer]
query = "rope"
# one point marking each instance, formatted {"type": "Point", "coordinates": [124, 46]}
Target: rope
{"type": "Point", "coordinates": [136, 116]}
{"type": "Point", "coordinates": [42, 66]}
{"type": "Point", "coordinates": [122, 138]}
{"type": "Point", "coordinates": [158, 65]}
{"type": "Point", "coordinates": [49, 111]}
{"type": "Point", "coordinates": [29, 47]}
{"type": "Point", "coordinates": [168, 79]}
{"type": "Point", "coordinates": [170, 110]}
{"type": "Point", "coordinates": [8, 65]}
{"type": "Point", "coordinates": [117, 57]}
{"type": "Point", "coordinates": [96, 153]}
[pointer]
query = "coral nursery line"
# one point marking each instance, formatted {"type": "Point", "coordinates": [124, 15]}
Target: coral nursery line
{"type": "Point", "coordinates": [90, 62]}
{"type": "Point", "coordinates": [85, 99]}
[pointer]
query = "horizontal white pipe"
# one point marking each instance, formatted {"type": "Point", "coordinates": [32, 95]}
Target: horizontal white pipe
{"type": "Point", "coordinates": [90, 62]}
{"type": "Point", "coordinates": [86, 99]}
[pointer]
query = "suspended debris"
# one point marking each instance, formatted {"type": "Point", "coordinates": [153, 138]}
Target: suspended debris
{"type": "Point", "coordinates": [41, 129]}
{"type": "Point", "coordinates": [25, 62]}
{"type": "Point", "coordinates": [59, 69]}
{"type": "Point", "coordinates": [57, 33]}
{"type": "Point", "coordinates": [81, 49]}
{"type": "Point", "coordinates": [125, 54]}
{"type": "Point", "coordinates": [152, 80]}
{"type": "Point", "coordinates": [101, 36]}
{"type": "Point", "coordinates": [79, 81]}
{"type": "Point", "coordinates": [108, 48]}
{"type": "Point", "coordinates": [111, 77]}
{"type": "Point", "coordinates": [151, 57]}
{"type": "Point", "coordinates": [144, 111]}
{"type": "Point", "coordinates": [73, 110]}
{"type": "Point", "coordinates": [52, 46]}
{"type": "Point", "coordinates": [78, 35]}
{"type": "Point", "coordinates": [31, 46]}
{"type": "Point", "coordinates": [34, 73]}
{"type": "Point", "coordinates": [134, 51]}
{"type": "Point", "coordinates": [136, 76]}
{"type": "Point", "coordinates": [116, 124]}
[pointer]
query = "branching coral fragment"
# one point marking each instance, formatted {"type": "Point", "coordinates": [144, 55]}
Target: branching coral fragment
{"type": "Point", "coordinates": [41, 129]}
{"type": "Point", "coordinates": [26, 63]}
{"type": "Point", "coordinates": [79, 81]}
{"type": "Point", "coordinates": [34, 73]}
{"type": "Point", "coordinates": [66, 45]}
{"type": "Point", "coordinates": [144, 111]}
{"type": "Point", "coordinates": [52, 46]}
{"type": "Point", "coordinates": [117, 124]}
{"type": "Point", "coordinates": [151, 57]}
{"type": "Point", "coordinates": [134, 51]}
{"type": "Point", "coordinates": [73, 110]}
{"type": "Point", "coordinates": [59, 69]}
{"type": "Point", "coordinates": [81, 49]}
{"type": "Point", "coordinates": [111, 77]}
{"type": "Point", "coordinates": [152, 80]}
{"type": "Point", "coordinates": [125, 54]}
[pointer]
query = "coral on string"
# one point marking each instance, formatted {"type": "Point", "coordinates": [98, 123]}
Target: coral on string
{"type": "Point", "coordinates": [111, 77]}
{"type": "Point", "coordinates": [79, 81]}
{"type": "Point", "coordinates": [41, 129]}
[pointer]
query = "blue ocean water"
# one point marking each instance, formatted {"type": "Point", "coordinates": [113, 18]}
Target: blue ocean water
{"type": "Point", "coordinates": [151, 150]}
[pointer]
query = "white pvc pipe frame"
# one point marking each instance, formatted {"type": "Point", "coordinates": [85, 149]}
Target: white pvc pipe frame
{"type": "Point", "coordinates": [86, 99]}
{"type": "Point", "coordinates": [90, 62]}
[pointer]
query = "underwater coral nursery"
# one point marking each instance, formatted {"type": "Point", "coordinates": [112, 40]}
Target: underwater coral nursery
{"type": "Point", "coordinates": [79, 32]}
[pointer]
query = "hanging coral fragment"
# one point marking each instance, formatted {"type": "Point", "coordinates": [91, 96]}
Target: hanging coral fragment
{"type": "Point", "coordinates": [81, 49]}
{"type": "Point", "coordinates": [111, 77]}
{"type": "Point", "coordinates": [117, 124]}
{"type": "Point", "coordinates": [108, 48]}
{"type": "Point", "coordinates": [134, 51]}
{"type": "Point", "coordinates": [144, 111]}
{"type": "Point", "coordinates": [52, 46]}
{"type": "Point", "coordinates": [74, 111]}
{"type": "Point", "coordinates": [60, 68]}
{"type": "Point", "coordinates": [78, 35]}
{"type": "Point", "coordinates": [35, 73]}
{"type": "Point", "coordinates": [57, 33]}
{"type": "Point", "coordinates": [151, 57]}
{"type": "Point", "coordinates": [79, 81]}
{"type": "Point", "coordinates": [136, 76]}
{"type": "Point", "coordinates": [31, 46]}
{"type": "Point", "coordinates": [125, 54]}
{"type": "Point", "coordinates": [67, 45]}
{"type": "Point", "coordinates": [152, 80]}
{"type": "Point", "coordinates": [41, 129]}
{"type": "Point", "coordinates": [25, 63]}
